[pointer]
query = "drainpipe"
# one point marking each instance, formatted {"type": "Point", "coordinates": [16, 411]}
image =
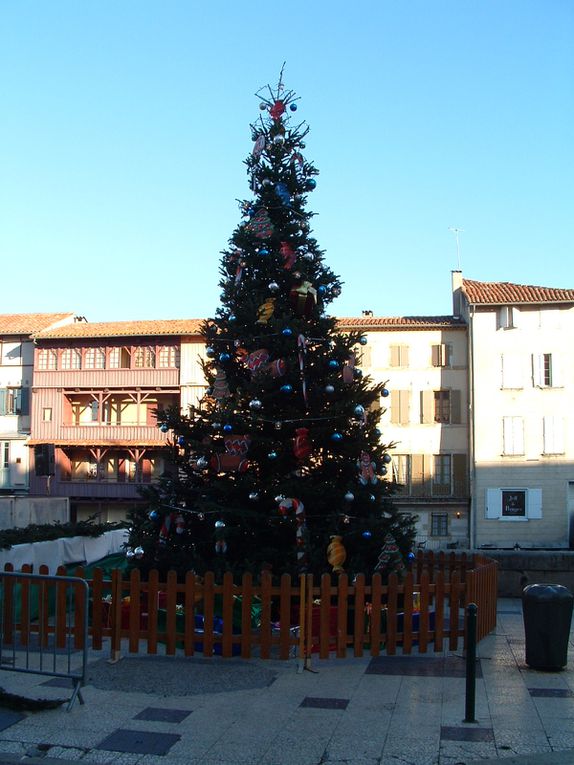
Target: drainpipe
{"type": "Point", "coordinates": [471, 434]}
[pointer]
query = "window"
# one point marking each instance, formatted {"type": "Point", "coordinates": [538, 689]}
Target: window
{"type": "Point", "coordinates": [439, 524]}
{"type": "Point", "coordinates": [168, 356]}
{"type": "Point", "coordinates": [15, 401]}
{"type": "Point", "coordinates": [47, 358]}
{"type": "Point", "coordinates": [144, 357]}
{"type": "Point", "coordinates": [399, 355]}
{"type": "Point", "coordinates": [512, 435]}
{"type": "Point", "coordinates": [442, 355]}
{"type": "Point", "coordinates": [400, 407]}
{"type": "Point", "coordinates": [441, 479]}
{"type": "Point", "coordinates": [402, 471]}
{"type": "Point", "coordinates": [442, 406]}
{"type": "Point", "coordinates": [47, 414]}
{"type": "Point", "coordinates": [544, 371]}
{"type": "Point", "coordinates": [71, 358]}
{"type": "Point", "coordinates": [513, 504]}
{"type": "Point", "coordinates": [95, 358]}
{"type": "Point", "coordinates": [506, 318]}
{"type": "Point", "coordinates": [120, 358]}
{"type": "Point", "coordinates": [553, 430]}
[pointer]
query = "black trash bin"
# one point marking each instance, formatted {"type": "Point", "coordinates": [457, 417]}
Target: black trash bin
{"type": "Point", "coordinates": [547, 613]}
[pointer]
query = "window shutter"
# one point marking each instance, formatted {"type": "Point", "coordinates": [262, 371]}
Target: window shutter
{"type": "Point", "coordinates": [459, 474]}
{"type": "Point", "coordinates": [25, 401]}
{"type": "Point", "coordinates": [404, 355]}
{"type": "Point", "coordinates": [455, 409]}
{"type": "Point", "coordinates": [121, 469]}
{"type": "Point", "coordinates": [493, 503]}
{"type": "Point", "coordinates": [146, 470]}
{"type": "Point", "coordinates": [395, 407]}
{"type": "Point", "coordinates": [366, 357]}
{"type": "Point", "coordinates": [405, 399]}
{"type": "Point", "coordinates": [395, 356]}
{"type": "Point", "coordinates": [557, 380]}
{"type": "Point", "coordinates": [534, 499]}
{"type": "Point", "coordinates": [2, 400]}
{"type": "Point", "coordinates": [436, 355]}
{"type": "Point", "coordinates": [553, 428]}
{"type": "Point", "coordinates": [538, 370]}
{"type": "Point", "coordinates": [511, 371]}
{"type": "Point", "coordinates": [427, 407]}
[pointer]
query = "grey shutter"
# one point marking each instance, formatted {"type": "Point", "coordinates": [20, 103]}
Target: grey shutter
{"type": "Point", "coordinates": [493, 506]}
{"type": "Point", "coordinates": [436, 356]}
{"type": "Point", "coordinates": [455, 409]}
{"type": "Point", "coordinates": [25, 401]}
{"type": "Point", "coordinates": [460, 477]}
{"type": "Point", "coordinates": [2, 400]}
{"type": "Point", "coordinates": [534, 503]}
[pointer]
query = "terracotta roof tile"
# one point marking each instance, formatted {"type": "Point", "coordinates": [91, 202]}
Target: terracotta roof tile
{"type": "Point", "coordinates": [505, 293]}
{"type": "Point", "coordinates": [29, 323]}
{"type": "Point", "coordinates": [119, 442]}
{"type": "Point", "coordinates": [399, 322]}
{"type": "Point", "coordinates": [125, 329]}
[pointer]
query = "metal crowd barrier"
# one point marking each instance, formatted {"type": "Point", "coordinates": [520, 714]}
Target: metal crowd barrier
{"type": "Point", "coordinates": [44, 627]}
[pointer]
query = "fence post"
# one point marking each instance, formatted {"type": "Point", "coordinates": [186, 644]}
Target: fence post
{"type": "Point", "coordinates": [470, 697]}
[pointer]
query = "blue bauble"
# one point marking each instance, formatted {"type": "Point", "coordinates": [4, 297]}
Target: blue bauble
{"type": "Point", "coordinates": [337, 437]}
{"type": "Point", "coordinates": [387, 458]}
{"type": "Point", "coordinates": [223, 357]}
{"type": "Point", "coordinates": [367, 534]}
{"type": "Point", "coordinates": [287, 331]}
{"type": "Point", "coordinates": [334, 364]}
{"type": "Point", "coordinates": [233, 317]}
{"type": "Point", "coordinates": [384, 393]}
{"type": "Point", "coordinates": [411, 556]}
{"type": "Point", "coordinates": [293, 107]}
{"type": "Point", "coordinates": [153, 516]}
{"type": "Point", "coordinates": [164, 427]}
{"type": "Point", "coordinates": [357, 372]}
{"type": "Point", "coordinates": [372, 498]}
{"type": "Point", "coordinates": [181, 440]}
{"type": "Point", "coordinates": [264, 251]}
{"type": "Point", "coordinates": [286, 388]}
{"type": "Point", "coordinates": [364, 340]}
{"type": "Point", "coordinates": [359, 410]}
{"type": "Point", "coordinates": [311, 183]}
{"type": "Point", "coordinates": [383, 470]}
{"type": "Point", "coordinates": [272, 455]}
{"type": "Point", "coordinates": [321, 289]}
{"type": "Point", "coordinates": [210, 352]}
{"type": "Point", "coordinates": [227, 428]}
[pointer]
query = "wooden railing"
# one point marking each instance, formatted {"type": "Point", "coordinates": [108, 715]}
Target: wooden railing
{"type": "Point", "coordinates": [286, 618]}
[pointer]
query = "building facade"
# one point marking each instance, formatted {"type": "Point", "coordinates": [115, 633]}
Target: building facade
{"type": "Point", "coordinates": [16, 378]}
{"type": "Point", "coordinates": [96, 390]}
{"type": "Point", "coordinates": [423, 363]}
{"type": "Point", "coordinates": [521, 383]}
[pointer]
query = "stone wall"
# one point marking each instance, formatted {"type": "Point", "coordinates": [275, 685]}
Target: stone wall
{"type": "Point", "coordinates": [518, 568]}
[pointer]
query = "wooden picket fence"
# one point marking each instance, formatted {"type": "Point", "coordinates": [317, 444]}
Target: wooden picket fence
{"type": "Point", "coordinates": [286, 618]}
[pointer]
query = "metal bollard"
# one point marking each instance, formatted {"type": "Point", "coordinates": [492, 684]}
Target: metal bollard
{"type": "Point", "coordinates": [470, 698]}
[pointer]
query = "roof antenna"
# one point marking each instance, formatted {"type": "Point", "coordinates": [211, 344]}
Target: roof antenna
{"type": "Point", "coordinates": [456, 232]}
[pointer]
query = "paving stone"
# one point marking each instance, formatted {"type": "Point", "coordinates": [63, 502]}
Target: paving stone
{"type": "Point", "coordinates": [324, 703]}
{"type": "Point", "coordinates": [163, 714]}
{"type": "Point", "coordinates": [139, 742]}
{"type": "Point", "coordinates": [455, 733]}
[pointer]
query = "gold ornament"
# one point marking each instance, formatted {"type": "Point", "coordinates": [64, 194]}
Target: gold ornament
{"type": "Point", "coordinates": [336, 554]}
{"type": "Point", "coordinates": [265, 311]}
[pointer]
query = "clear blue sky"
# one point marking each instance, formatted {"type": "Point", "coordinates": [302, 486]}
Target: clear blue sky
{"type": "Point", "coordinates": [124, 126]}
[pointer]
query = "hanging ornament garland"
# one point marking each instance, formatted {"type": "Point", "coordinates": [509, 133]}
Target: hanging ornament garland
{"type": "Point", "coordinates": [260, 224]}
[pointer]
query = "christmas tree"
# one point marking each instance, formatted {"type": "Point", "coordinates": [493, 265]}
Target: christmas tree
{"type": "Point", "coordinates": [281, 465]}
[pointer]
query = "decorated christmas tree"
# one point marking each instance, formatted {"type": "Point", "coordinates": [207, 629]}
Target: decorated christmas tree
{"type": "Point", "coordinates": [281, 466]}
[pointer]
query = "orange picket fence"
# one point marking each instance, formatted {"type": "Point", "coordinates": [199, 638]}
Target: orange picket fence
{"type": "Point", "coordinates": [423, 611]}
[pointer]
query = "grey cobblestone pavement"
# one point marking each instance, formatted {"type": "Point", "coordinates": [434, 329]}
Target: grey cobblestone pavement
{"type": "Point", "coordinates": [356, 711]}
